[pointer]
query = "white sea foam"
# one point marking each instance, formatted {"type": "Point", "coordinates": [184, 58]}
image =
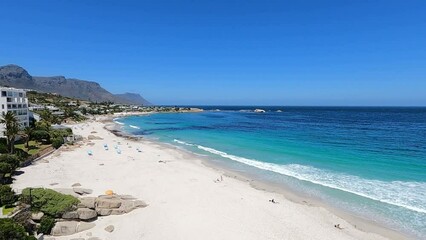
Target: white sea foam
{"type": "Point", "coordinates": [409, 195]}
{"type": "Point", "coordinates": [183, 143]}
{"type": "Point", "coordinates": [119, 122]}
{"type": "Point", "coordinates": [136, 127]}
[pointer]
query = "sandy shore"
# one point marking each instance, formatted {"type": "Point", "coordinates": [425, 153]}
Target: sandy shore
{"type": "Point", "coordinates": [184, 200]}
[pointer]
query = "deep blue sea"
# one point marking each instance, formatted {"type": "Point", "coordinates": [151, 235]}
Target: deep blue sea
{"type": "Point", "coordinates": [370, 161]}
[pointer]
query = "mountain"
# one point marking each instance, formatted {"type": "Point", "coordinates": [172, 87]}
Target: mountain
{"type": "Point", "coordinates": [18, 77]}
{"type": "Point", "coordinates": [134, 98]}
{"type": "Point", "coordinates": [74, 88]}
{"type": "Point", "coordinates": [15, 76]}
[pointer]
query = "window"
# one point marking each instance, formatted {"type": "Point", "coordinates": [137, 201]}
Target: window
{"type": "Point", "coordinates": [2, 106]}
{"type": "Point", "coordinates": [21, 94]}
{"type": "Point", "coordinates": [3, 93]}
{"type": "Point", "coordinates": [9, 99]}
{"type": "Point", "coordinates": [19, 105]}
{"type": "Point", "coordinates": [13, 105]}
{"type": "Point", "coordinates": [9, 106]}
{"type": "Point", "coordinates": [24, 105]}
{"type": "Point", "coordinates": [9, 94]}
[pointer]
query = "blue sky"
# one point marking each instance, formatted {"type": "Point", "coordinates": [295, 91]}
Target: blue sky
{"type": "Point", "coordinates": [227, 52]}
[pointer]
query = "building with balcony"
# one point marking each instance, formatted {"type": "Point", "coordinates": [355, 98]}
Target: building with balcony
{"type": "Point", "coordinates": [14, 100]}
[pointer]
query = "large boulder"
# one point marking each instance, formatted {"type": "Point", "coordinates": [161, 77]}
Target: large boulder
{"type": "Point", "coordinates": [70, 227]}
{"type": "Point", "coordinates": [87, 202]}
{"type": "Point", "coordinates": [82, 191]}
{"type": "Point", "coordinates": [117, 205]}
{"type": "Point", "coordinates": [117, 211]}
{"type": "Point", "coordinates": [36, 216]}
{"type": "Point", "coordinates": [108, 202]}
{"type": "Point", "coordinates": [103, 211]}
{"type": "Point", "coordinates": [70, 215]}
{"type": "Point", "coordinates": [128, 206]}
{"type": "Point", "coordinates": [86, 213]}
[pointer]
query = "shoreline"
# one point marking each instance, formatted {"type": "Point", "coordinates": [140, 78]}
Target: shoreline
{"type": "Point", "coordinates": [185, 201]}
{"type": "Point", "coordinates": [363, 224]}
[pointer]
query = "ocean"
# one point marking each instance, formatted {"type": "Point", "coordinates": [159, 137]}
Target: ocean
{"type": "Point", "coordinates": [369, 161]}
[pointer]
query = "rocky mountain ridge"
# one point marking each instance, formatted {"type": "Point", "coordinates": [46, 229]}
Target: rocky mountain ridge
{"type": "Point", "coordinates": [16, 76]}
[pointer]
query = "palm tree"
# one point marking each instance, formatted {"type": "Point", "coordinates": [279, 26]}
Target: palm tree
{"type": "Point", "coordinates": [11, 129]}
{"type": "Point", "coordinates": [27, 131]}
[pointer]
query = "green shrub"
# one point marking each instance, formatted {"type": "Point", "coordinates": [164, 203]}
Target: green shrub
{"type": "Point", "coordinates": [46, 224]}
{"type": "Point", "coordinates": [21, 154]}
{"type": "Point", "coordinates": [5, 168]}
{"type": "Point", "coordinates": [57, 143]}
{"type": "Point", "coordinates": [9, 230]}
{"type": "Point", "coordinates": [3, 148]}
{"type": "Point", "coordinates": [40, 135]}
{"type": "Point", "coordinates": [60, 133]}
{"type": "Point", "coordinates": [49, 201]}
{"type": "Point", "coordinates": [42, 125]}
{"type": "Point", "coordinates": [11, 159]}
{"type": "Point", "coordinates": [7, 196]}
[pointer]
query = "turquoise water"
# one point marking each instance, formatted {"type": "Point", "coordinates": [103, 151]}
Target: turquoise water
{"type": "Point", "coordinates": [369, 161]}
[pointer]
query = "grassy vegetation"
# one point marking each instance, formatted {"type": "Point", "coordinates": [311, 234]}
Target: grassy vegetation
{"type": "Point", "coordinates": [6, 210]}
{"type": "Point", "coordinates": [34, 147]}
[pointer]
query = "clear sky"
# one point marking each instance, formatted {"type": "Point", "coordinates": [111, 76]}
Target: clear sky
{"type": "Point", "coordinates": [345, 52]}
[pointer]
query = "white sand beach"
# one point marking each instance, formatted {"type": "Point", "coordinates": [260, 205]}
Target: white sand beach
{"type": "Point", "coordinates": [184, 200]}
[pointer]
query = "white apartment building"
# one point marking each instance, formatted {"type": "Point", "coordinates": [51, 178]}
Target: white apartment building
{"type": "Point", "coordinates": [14, 100]}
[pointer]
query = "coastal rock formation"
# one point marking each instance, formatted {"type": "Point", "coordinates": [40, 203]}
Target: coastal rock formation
{"type": "Point", "coordinates": [70, 215]}
{"type": "Point", "coordinates": [70, 227]}
{"type": "Point", "coordinates": [93, 137]}
{"type": "Point", "coordinates": [108, 202]}
{"type": "Point", "coordinates": [104, 205]}
{"type": "Point", "coordinates": [82, 191]}
{"type": "Point", "coordinates": [87, 202]}
{"type": "Point", "coordinates": [86, 213]}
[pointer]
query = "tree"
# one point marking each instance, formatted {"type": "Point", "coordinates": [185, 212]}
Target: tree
{"type": "Point", "coordinates": [42, 125]}
{"type": "Point", "coordinates": [11, 129]}
{"type": "Point", "coordinates": [27, 133]}
{"type": "Point", "coordinates": [12, 230]}
{"type": "Point", "coordinates": [46, 115]}
{"type": "Point", "coordinates": [7, 195]}
{"type": "Point", "coordinates": [40, 135]}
